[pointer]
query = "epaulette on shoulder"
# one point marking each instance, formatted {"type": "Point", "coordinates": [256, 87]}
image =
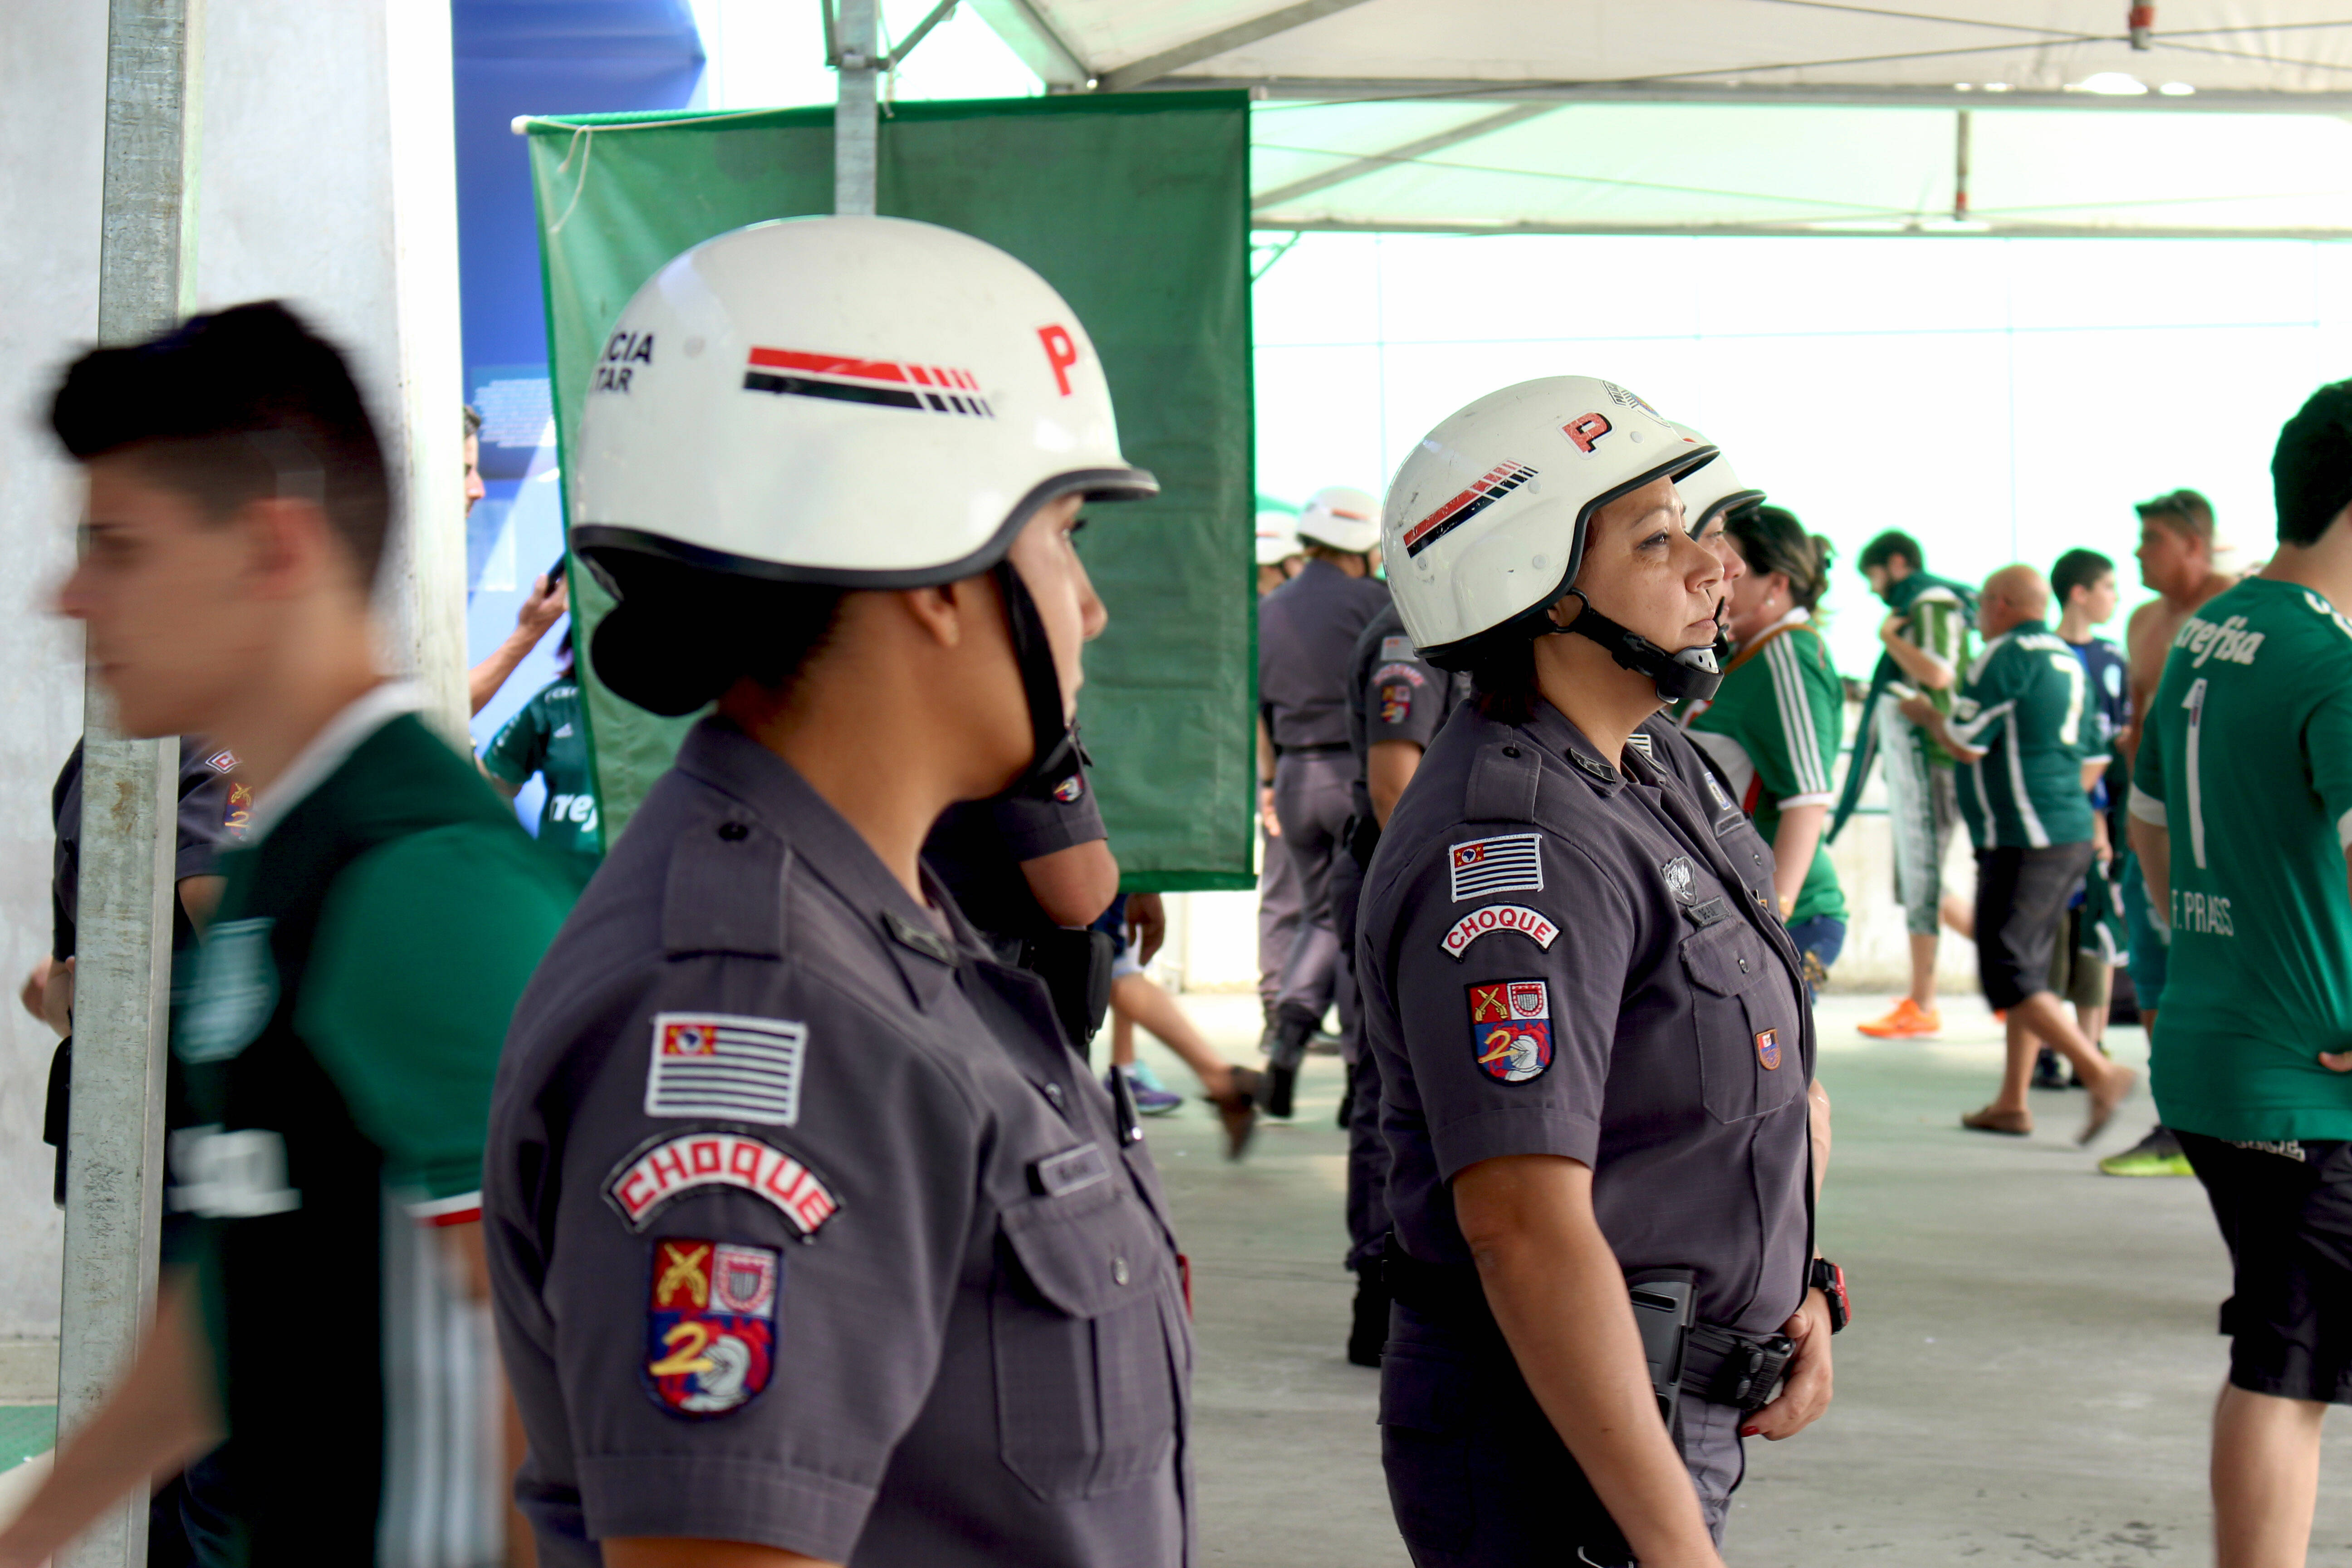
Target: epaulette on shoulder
{"type": "Point", "coordinates": [1503, 782]}
{"type": "Point", "coordinates": [725, 890]}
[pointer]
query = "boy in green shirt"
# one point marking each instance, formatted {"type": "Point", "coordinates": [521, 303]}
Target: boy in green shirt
{"type": "Point", "coordinates": [377, 925]}
{"type": "Point", "coordinates": [2241, 814]}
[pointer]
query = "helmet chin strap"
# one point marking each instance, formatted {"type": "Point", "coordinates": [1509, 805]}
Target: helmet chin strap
{"type": "Point", "coordinates": [1692, 674]}
{"type": "Point", "coordinates": [1056, 753]}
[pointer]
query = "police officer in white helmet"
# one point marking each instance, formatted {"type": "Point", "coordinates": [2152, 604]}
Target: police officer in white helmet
{"type": "Point", "coordinates": [1306, 632]}
{"type": "Point", "coordinates": [1590, 1026]}
{"type": "Point", "coordinates": [815, 1240]}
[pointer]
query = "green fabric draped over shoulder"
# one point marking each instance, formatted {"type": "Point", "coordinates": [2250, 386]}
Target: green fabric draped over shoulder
{"type": "Point", "coordinates": [1136, 209]}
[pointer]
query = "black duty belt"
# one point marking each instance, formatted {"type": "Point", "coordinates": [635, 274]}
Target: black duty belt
{"type": "Point", "coordinates": [1321, 749]}
{"type": "Point", "coordinates": [1720, 1365]}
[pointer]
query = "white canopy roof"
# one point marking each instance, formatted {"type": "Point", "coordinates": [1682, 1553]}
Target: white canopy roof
{"type": "Point", "coordinates": [2216, 117]}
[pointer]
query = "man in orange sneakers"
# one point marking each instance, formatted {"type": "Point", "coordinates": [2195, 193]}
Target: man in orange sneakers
{"type": "Point", "coordinates": [1925, 636]}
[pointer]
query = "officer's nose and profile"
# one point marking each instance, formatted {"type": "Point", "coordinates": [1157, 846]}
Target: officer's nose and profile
{"type": "Point", "coordinates": [1594, 1050]}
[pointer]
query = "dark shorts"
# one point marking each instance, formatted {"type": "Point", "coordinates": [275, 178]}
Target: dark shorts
{"type": "Point", "coordinates": [2288, 1225]}
{"type": "Point", "coordinates": [2022, 898]}
{"type": "Point", "coordinates": [1477, 1472]}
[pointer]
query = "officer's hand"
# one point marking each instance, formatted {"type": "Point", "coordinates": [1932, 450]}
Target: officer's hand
{"type": "Point", "coordinates": [35, 984]}
{"type": "Point", "coordinates": [1272, 824]}
{"type": "Point", "coordinates": [48, 995]}
{"type": "Point", "coordinates": [1805, 1392]}
{"type": "Point", "coordinates": [1147, 924]}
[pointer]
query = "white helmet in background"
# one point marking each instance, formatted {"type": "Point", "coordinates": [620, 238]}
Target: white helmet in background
{"type": "Point", "coordinates": [1486, 520]}
{"type": "Point", "coordinates": [1712, 489]}
{"type": "Point", "coordinates": [862, 402]}
{"type": "Point", "coordinates": [1277, 537]}
{"type": "Point", "coordinates": [1341, 518]}
{"type": "Point", "coordinates": [835, 402]}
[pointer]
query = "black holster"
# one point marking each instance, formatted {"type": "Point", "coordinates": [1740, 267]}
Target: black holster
{"type": "Point", "coordinates": [1720, 1365]}
{"type": "Point", "coordinates": [1074, 963]}
{"type": "Point", "coordinates": [1362, 836]}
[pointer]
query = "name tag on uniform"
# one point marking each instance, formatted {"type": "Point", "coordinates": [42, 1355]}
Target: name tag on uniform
{"type": "Point", "coordinates": [1070, 1171]}
{"type": "Point", "coordinates": [1707, 914]}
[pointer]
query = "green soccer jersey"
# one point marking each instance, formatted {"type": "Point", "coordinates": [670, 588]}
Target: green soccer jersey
{"type": "Point", "coordinates": [1774, 726]}
{"type": "Point", "coordinates": [548, 737]}
{"type": "Point", "coordinates": [1938, 628]}
{"type": "Point", "coordinates": [2024, 705]}
{"type": "Point", "coordinates": [339, 1044]}
{"type": "Point", "coordinates": [2245, 759]}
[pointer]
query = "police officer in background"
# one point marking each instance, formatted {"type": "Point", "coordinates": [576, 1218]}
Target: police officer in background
{"type": "Point", "coordinates": [1588, 1023]}
{"type": "Point", "coordinates": [1306, 631]}
{"type": "Point", "coordinates": [1279, 557]}
{"type": "Point", "coordinates": [1396, 701]}
{"type": "Point", "coordinates": [815, 1239]}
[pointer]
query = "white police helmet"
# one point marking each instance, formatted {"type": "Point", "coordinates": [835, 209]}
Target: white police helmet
{"type": "Point", "coordinates": [1486, 520]}
{"type": "Point", "coordinates": [836, 403]}
{"type": "Point", "coordinates": [1341, 518]}
{"type": "Point", "coordinates": [1277, 537]}
{"type": "Point", "coordinates": [1712, 489]}
{"type": "Point", "coordinates": [859, 402]}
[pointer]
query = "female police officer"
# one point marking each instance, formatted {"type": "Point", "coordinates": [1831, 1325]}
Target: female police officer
{"type": "Point", "coordinates": [813, 1239]}
{"type": "Point", "coordinates": [1591, 1037]}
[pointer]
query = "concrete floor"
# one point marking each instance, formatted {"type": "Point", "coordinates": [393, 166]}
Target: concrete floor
{"type": "Point", "coordinates": [2027, 1381]}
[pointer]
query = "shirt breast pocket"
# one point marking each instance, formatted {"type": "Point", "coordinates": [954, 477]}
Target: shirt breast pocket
{"type": "Point", "coordinates": [1743, 1014]}
{"type": "Point", "coordinates": [1083, 1345]}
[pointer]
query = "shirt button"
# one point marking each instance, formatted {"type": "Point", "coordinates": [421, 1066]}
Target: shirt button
{"type": "Point", "coordinates": [1053, 1093]}
{"type": "Point", "coordinates": [1119, 1270]}
{"type": "Point", "coordinates": [1743, 966]}
{"type": "Point", "coordinates": [1510, 751]}
{"type": "Point", "coordinates": [733, 832]}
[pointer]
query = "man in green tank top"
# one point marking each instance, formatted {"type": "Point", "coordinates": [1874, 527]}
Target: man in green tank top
{"type": "Point", "coordinates": [339, 1043]}
{"type": "Point", "coordinates": [2241, 815]}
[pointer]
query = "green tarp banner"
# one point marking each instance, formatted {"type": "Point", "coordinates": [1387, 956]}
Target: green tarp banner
{"type": "Point", "coordinates": [1138, 210]}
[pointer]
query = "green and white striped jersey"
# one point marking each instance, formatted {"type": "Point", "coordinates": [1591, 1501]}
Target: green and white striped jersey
{"type": "Point", "coordinates": [2026, 705]}
{"type": "Point", "coordinates": [1774, 727]}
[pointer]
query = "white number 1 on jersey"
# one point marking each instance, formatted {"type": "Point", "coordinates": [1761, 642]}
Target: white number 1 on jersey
{"type": "Point", "coordinates": [2195, 703]}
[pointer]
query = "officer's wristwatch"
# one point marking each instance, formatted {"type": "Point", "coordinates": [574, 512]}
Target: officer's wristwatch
{"type": "Point", "coordinates": [1830, 1280]}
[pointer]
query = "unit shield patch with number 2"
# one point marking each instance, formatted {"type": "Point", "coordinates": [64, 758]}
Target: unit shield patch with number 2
{"type": "Point", "coordinates": [1510, 1029]}
{"type": "Point", "coordinates": [710, 1324]}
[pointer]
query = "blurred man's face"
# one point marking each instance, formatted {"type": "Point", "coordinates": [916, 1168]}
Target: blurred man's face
{"type": "Point", "coordinates": [2171, 560]}
{"type": "Point", "coordinates": [474, 488]}
{"type": "Point", "coordinates": [1879, 579]}
{"type": "Point", "coordinates": [164, 592]}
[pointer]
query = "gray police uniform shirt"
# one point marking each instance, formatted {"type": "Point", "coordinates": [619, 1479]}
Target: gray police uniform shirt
{"type": "Point", "coordinates": [1306, 630]}
{"type": "Point", "coordinates": [1561, 957]}
{"type": "Point", "coordinates": [807, 1227]}
{"type": "Point", "coordinates": [1393, 694]}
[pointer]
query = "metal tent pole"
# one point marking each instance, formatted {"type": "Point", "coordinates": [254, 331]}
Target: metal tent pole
{"type": "Point", "coordinates": [854, 113]}
{"type": "Point", "coordinates": [123, 924]}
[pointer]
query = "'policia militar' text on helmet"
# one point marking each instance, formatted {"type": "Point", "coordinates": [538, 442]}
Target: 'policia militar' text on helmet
{"type": "Point", "coordinates": [838, 402]}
